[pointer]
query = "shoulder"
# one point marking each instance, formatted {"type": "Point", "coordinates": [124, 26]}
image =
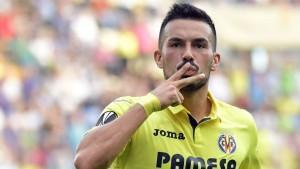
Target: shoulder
{"type": "Point", "coordinates": [115, 109]}
{"type": "Point", "coordinates": [120, 104]}
{"type": "Point", "coordinates": [235, 114]}
{"type": "Point", "coordinates": [240, 119]}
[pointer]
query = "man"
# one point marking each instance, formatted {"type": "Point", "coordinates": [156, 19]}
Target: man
{"type": "Point", "coordinates": [178, 125]}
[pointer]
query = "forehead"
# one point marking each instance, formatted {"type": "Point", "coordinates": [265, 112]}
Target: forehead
{"type": "Point", "coordinates": [187, 29]}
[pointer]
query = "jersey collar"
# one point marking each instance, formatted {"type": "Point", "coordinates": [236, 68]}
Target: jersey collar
{"type": "Point", "coordinates": [213, 113]}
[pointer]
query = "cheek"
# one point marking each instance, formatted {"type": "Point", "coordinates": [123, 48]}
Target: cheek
{"type": "Point", "coordinates": [204, 61]}
{"type": "Point", "coordinates": [205, 57]}
{"type": "Point", "coordinates": [171, 59]}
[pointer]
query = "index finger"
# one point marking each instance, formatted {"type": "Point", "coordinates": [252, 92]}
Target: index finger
{"type": "Point", "coordinates": [178, 74]}
{"type": "Point", "coordinates": [189, 80]}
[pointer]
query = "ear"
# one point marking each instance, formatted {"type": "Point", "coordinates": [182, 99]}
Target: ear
{"type": "Point", "coordinates": [158, 58]}
{"type": "Point", "coordinates": [215, 62]}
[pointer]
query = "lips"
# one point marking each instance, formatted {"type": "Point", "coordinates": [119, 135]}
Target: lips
{"type": "Point", "coordinates": [192, 70]}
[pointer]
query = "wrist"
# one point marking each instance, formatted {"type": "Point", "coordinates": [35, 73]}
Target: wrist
{"type": "Point", "coordinates": [150, 103]}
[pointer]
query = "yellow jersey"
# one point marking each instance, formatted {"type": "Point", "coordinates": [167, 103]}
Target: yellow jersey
{"type": "Point", "coordinates": [172, 139]}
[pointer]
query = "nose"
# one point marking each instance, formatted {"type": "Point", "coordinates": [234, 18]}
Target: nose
{"type": "Point", "coordinates": [188, 55]}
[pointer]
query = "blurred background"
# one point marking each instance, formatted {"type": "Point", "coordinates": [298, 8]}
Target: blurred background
{"type": "Point", "coordinates": [62, 61]}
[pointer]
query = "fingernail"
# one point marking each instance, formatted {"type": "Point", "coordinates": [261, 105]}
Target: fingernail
{"type": "Point", "coordinates": [187, 64]}
{"type": "Point", "coordinates": [202, 75]}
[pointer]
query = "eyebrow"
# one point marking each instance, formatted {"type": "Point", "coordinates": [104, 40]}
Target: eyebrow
{"type": "Point", "coordinates": [176, 39]}
{"type": "Point", "coordinates": [201, 40]}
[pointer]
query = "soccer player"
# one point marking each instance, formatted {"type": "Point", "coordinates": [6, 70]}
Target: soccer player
{"type": "Point", "coordinates": [180, 124]}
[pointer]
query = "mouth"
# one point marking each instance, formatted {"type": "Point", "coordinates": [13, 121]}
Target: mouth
{"type": "Point", "coordinates": [191, 71]}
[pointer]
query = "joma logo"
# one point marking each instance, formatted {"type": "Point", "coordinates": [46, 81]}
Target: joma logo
{"type": "Point", "coordinates": [169, 134]}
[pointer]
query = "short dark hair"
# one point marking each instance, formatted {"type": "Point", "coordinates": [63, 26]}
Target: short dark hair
{"type": "Point", "coordinates": [187, 11]}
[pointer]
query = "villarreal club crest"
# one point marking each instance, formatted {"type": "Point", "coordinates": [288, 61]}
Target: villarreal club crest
{"type": "Point", "coordinates": [227, 143]}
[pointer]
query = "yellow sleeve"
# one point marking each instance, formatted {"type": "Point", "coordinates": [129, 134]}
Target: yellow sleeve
{"type": "Point", "coordinates": [111, 112]}
{"type": "Point", "coordinates": [252, 160]}
{"type": "Point", "coordinates": [115, 109]}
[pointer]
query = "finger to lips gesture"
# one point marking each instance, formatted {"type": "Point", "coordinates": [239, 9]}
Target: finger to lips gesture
{"type": "Point", "coordinates": [169, 91]}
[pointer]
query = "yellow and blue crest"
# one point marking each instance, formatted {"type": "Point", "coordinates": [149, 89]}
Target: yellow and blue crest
{"type": "Point", "coordinates": [227, 143]}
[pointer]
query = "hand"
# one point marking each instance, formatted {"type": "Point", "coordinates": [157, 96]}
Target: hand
{"type": "Point", "coordinates": [168, 92]}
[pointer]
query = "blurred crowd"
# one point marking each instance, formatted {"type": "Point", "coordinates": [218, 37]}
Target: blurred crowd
{"type": "Point", "coordinates": [62, 61]}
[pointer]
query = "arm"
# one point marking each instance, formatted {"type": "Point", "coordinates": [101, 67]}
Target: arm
{"type": "Point", "coordinates": [98, 152]}
{"type": "Point", "coordinates": [252, 160]}
{"type": "Point", "coordinates": [102, 144]}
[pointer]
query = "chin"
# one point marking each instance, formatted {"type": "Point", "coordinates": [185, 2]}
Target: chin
{"type": "Point", "coordinates": [196, 86]}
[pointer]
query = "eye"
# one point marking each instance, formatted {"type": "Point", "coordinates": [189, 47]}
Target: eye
{"type": "Point", "coordinates": [200, 45]}
{"type": "Point", "coordinates": [175, 44]}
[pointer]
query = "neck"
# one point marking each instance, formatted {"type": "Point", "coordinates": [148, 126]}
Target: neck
{"type": "Point", "coordinates": [197, 103]}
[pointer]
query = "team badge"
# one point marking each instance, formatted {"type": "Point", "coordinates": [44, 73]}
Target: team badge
{"type": "Point", "coordinates": [227, 143]}
{"type": "Point", "coordinates": [106, 117]}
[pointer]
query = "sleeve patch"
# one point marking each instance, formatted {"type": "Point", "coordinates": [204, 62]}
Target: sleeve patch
{"type": "Point", "coordinates": [106, 117]}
